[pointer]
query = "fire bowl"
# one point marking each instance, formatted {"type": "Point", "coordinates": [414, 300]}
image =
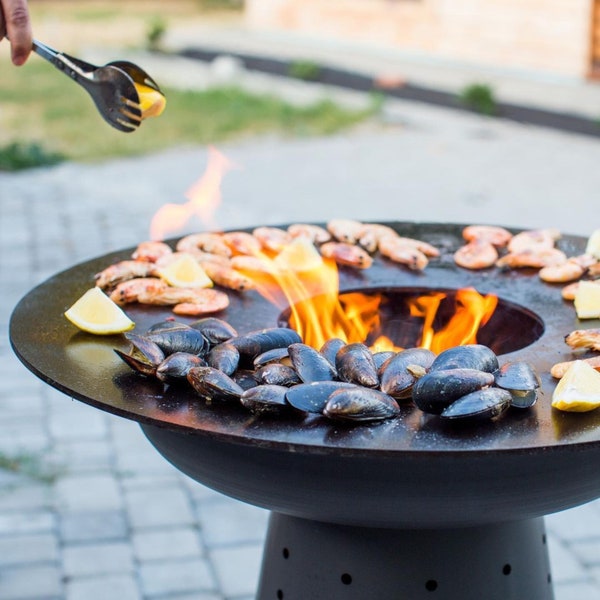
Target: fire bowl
{"type": "Point", "coordinates": [412, 473]}
{"type": "Point", "coordinates": [276, 462]}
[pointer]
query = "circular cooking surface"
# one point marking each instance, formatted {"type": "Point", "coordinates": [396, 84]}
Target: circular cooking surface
{"type": "Point", "coordinates": [85, 367]}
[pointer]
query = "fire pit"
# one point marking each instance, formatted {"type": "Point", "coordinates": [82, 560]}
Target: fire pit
{"type": "Point", "coordinates": [407, 507]}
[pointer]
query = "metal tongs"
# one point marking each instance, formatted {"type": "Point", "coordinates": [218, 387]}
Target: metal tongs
{"type": "Point", "coordinates": [112, 87]}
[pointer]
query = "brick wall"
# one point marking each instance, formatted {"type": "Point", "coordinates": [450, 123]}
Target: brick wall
{"type": "Point", "coordinates": [549, 36]}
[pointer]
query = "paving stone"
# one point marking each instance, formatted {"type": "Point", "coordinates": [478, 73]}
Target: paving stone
{"type": "Point", "coordinates": [26, 496]}
{"type": "Point", "coordinates": [158, 507]}
{"type": "Point", "coordinates": [27, 521]}
{"type": "Point", "coordinates": [563, 564]}
{"type": "Point", "coordinates": [174, 577]}
{"type": "Point", "coordinates": [31, 583]}
{"type": "Point", "coordinates": [87, 492]}
{"type": "Point", "coordinates": [578, 523]}
{"type": "Point", "coordinates": [93, 526]}
{"type": "Point", "coordinates": [231, 522]}
{"type": "Point", "coordinates": [237, 569]}
{"type": "Point", "coordinates": [81, 456]}
{"type": "Point", "coordinates": [580, 590]}
{"type": "Point", "coordinates": [141, 481]}
{"type": "Point", "coordinates": [70, 419]}
{"type": "Point", "coordinates": [587, 552]}
{"type": "Point", "coordinates": [121, 587]}
{"type": "Point", "coordinates": [81, 560]}
{"type": "Point", "coordinates": [169, 543]}
{"type": "Point", "coordinates": [30, 548]}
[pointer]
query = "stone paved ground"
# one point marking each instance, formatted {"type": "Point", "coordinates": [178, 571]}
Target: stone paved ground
{"type": "Point", "coordinates": [94, 512]}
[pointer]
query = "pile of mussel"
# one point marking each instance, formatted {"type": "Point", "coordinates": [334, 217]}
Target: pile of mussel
{"type": "Point", "coordinates": [271, 371]}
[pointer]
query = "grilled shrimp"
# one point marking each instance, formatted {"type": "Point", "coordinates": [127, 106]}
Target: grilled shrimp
{"type": "Point", "coordinates": [372, 233]}
{"type": "Point", "coordinates": [345, 230]}
{"type": "Point", "coordinates": [227, 277]}
{"type": "Point", "coordinates": [498, 236]}
{"type": "Point", "coordinates": [314, 233]}
{"type": "Point", "coordinates": [533, 240]}
{"type": "Point", "coordinates": [420, 245]}
{"type": "Point", "coordinates": [151, 251]}
{"type": "Point", "coordinates": [401, 252]}
{"type": "Point", "coordinates": [347, 254]}
{"type": "Point", "coordinates": [123, 271]}
{"type": "Point", "coordinates": [569, 291]}
{"type": "Point", "coordinates": [533, 258]}
{"type": "Point", "coordinates": [584, 338]}
{"type": "Point", "coordinates": [272, 239]}
{"type": "Point", "coordinates": [187, 301]}
{"type": "Point", "coordinates": [241, 242]}
{"type": "Point", "coordinates": [206, 301]}
{"type": "Point", "coordinates": [128, 291]}
{"type": "Point", "coordinates": [213, 243]}
{"type": "Point", "coordinates": [562, 273]}
{"type": "Point", "coordinates": [477, 254]}
{"type": "Point", "coordinates": [559, 369]}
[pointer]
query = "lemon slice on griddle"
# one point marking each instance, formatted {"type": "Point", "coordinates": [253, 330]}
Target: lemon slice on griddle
{"type": "Point", "coordinates": [578, 390]}
{"type": "Point", "coordinates": [96, 313]}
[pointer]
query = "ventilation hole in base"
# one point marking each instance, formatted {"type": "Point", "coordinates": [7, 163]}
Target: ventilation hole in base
{"type": "Point", "coordinates": [286, 553]}
{"type": "Point", "coordinates": [549, 578]}
{"type": "Point", "coordinates": [544, 539]}
{"type": "Point", "coordinates": [346, 578]}
{"type": "Point", "coordinates": [431, 585]}
{"type": "Point", "coordinates": [506, 569]}
{"type": "Point", "coordinates": [279, 594]}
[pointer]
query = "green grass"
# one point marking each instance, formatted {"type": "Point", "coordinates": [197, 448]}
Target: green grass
{"type": "Point", "coordinates": [38, 105]}
{"type": "Point", "coordinates": [29, 465]}
{"type": "Point", "coordinates": [480, 98]}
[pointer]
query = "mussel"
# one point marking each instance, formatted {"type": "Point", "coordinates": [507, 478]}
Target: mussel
{"type": "Point", "coordinates": [437, 390]}
{"type": "Point", "coordinates": [310, 364]}
{"type": "Point", "coordinates": [266, 399]}
{"type": "Point", "coordinates": [179, 339]}
{"type": "Point", "coordinates": [213, 384]}
{"type": "Point", "coordinates": [360, 404]}
{"type": "Point", "coordinates": [224, 357]}
{"type": "Point", "coordinates": [397, 376]}
{"type": "Point", "coordinates": [176, 366]}
{"type": "Point", "coordinates": [355, 364]}
{"type": "Point", "coordinates": [277, 374]}
{"type": "Point", "coordinates": [521, 380]}
{"type": "Point", "coordinates": [469, 356]}
{"type": "Point", "coordinates": [270, 356]}
{"type": "Point", "coordinates": [483, 404]}
{"type": "Point", "coordinates": [312, 397]}
{"type": "Point", "coordinates": [214, 330]}
{"type": "Point", "coordinates": [144, 355]}
{"type": "Point", "coordinates": [330, 349]}
{"type": "Point", "coordinates": [256, 342]}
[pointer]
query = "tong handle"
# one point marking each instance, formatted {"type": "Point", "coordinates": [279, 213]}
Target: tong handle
{"type": "Point", "coordinates": [77, 69]}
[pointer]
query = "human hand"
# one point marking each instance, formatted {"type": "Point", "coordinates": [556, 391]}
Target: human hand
{"type": "Point", "coordinates": [15, 24]}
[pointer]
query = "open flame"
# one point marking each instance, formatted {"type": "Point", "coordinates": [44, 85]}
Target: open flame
{"type": "Point", "coordinates": [314, 307]}
{"type": "Point", "coordinates": [203, 199]}
{"type": "Point", "coordinates": [306, 285]}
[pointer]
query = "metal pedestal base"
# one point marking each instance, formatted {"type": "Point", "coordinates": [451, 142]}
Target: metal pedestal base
{"type": "Point", "coordinates": [308, 559]}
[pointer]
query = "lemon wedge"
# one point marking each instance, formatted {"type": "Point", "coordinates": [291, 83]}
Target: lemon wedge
{"type": "Point", "coordinates": [593, 244]}
{"type": "Point", "coordinates": [152, 102]}
{"type": "Point", "coordinates": [96, 313]}
{"type": "Point", "coordinates": [578, 390]}
{"type": "Point", "coordinates": [299, 255]}
{"type": "Point", "coordinates": [184, 271]}
{"type": "Point", "coordinates": [587, 300]}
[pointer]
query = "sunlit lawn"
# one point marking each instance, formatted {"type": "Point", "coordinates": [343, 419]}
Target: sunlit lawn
{"type": "Point", "coordinates": [40, 105]}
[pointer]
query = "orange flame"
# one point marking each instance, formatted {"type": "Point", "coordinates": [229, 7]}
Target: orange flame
{"type": "Point", "coordinates": [204, 197]}
{"type": "Point", "coordinates": [318, 312]}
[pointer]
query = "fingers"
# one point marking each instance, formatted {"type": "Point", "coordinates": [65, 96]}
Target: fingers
{"type": "Point", "coordinates": [17, 26]}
